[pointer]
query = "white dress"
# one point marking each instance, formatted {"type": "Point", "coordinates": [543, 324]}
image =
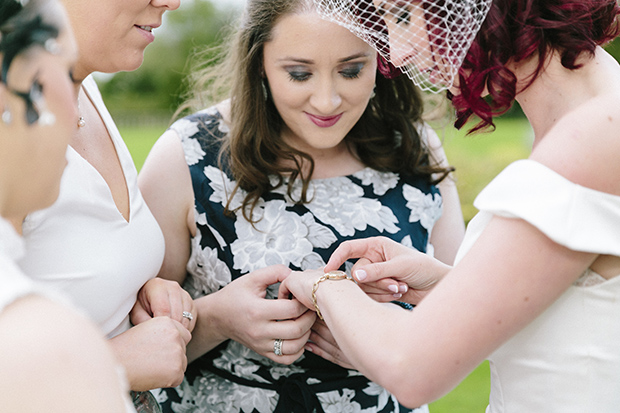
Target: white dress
{"type": "Point", "coordinates": [568, 358]}
{"type": "Point", "coordinates": [84, 247]}
{"type": "Point", "coordinates": [13, 283]}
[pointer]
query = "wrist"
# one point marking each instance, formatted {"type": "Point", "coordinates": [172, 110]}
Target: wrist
{"type": "Point", "coordinates": [329, 276]}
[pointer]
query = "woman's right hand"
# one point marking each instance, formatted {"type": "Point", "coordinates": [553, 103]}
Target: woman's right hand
{"type": "Point", "coordinates": [242, 313]}
{"type": "Point", "coordinates": [387, 265]}
{"type": "Point", "coordinates": [153, 353]}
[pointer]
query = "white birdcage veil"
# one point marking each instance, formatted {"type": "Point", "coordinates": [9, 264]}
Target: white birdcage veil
{"type": "Point", "coordinates": [426, 39]}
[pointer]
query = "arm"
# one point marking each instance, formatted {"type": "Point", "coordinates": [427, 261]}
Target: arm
{"type": "Point", "coordinates": [449, 230]}
{"type": "Point", "coordinates": [500, 286]}
{"type": "Point", "coordinates": [166, 185]}
{"type": "Point", "coordinates": [53, 360]}
{"type": "Point", "coordinates": [239, 311]}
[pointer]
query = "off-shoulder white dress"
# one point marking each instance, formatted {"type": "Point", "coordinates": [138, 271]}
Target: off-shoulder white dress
{"type": "Point", "coordinates": [568, 358]}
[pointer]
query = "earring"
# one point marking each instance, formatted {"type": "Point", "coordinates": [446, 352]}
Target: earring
{"type": "Point", "coordinates": [7, 118]}
{"type": "Point", "coordinates": [265, 91]}
{"type": "Point", "coordinates": [46, 118]}
{"type": "Point", "coordinates": [373, 94]}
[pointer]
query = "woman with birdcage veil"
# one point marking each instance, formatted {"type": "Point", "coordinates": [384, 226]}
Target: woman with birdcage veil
{"type": "Point", "coordinates": [535, 286]}
{"type": "Point", "coordinates": [45, 345]}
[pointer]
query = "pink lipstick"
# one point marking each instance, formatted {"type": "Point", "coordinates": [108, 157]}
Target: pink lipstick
{"type": "Point", "coordinates": [324, 121]}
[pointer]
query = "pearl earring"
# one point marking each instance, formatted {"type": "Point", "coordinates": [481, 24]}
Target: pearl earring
{"type": "Point", "coordinates": [7, 118]}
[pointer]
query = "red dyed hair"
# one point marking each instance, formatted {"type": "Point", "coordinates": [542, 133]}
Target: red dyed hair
{"type": "Point", "coordinates": [518, 29]}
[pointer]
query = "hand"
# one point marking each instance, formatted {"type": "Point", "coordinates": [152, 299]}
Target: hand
{"type": "Point", "coordinates": [384, 290]}
{"type": "Point", "coordinates": [153, 353]}
{"type": "Point", "coordinates": [383, 259]}
{"type": "Point", "coordinates": [159, 297]}
{"type": "Point", "coordinates": [299, 284]}
{"type": "Point", "coordinates": [244, 314]}
{"type": "Point", "coordinates": [323, 344]}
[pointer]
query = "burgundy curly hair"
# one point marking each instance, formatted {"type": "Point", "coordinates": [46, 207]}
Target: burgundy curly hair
{"type": "Point", "coordinates": [515, 30]}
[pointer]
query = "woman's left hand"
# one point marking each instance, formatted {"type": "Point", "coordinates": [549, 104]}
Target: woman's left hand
{"type": "Point", "coordinates": [159, 297]}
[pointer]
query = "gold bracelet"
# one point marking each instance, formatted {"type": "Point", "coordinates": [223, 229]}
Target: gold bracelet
{"type": "Point", "coordinates": [332, 275]}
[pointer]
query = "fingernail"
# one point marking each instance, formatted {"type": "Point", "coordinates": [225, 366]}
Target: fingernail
{"type": "Point", "coordinates": [308, 348]}
{"type": "Point", "coordinates": [393, 288]}
{"type": "Point", "coordinates": [403, 288]}
{"type": "Point", "coordinates": [397, 295]}
{"type": "Point", "coordinates": [360, 275]}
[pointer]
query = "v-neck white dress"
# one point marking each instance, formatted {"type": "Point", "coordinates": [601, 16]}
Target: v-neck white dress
{"type": "Point", "coordinates": [85, 248]}
{"type": "Point", "coordinates": [568, 358]}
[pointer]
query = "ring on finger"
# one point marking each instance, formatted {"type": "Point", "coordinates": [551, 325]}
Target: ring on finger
{"type": "Point", "coordinates": [188, 315]}
{"type": "Point", "coordinates": [277, 347]}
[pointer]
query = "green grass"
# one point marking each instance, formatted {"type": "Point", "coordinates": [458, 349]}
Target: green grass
{"type": "Point", "coordinates": [140, 140]}
{"type": "Point", "coordinates": [477, 159]}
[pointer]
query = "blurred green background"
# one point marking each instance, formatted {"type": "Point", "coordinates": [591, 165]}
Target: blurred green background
{"type": "Point", "coordinates": [142, 102]}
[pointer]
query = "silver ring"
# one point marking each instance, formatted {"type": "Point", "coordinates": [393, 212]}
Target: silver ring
{"type": "Point", "coordinates": [277, 346]}
{"type": "Point", "coordinates": [188, 315]}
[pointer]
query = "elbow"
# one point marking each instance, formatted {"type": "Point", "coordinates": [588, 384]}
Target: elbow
{"type": "Point", "coordinates": [414, 393]}
{"type": "Point", "coordinates": [411, 386]}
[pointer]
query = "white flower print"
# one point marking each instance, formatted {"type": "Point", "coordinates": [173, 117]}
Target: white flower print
{"type": "Point", "coordinates": [383, 395]}
{"type": "Point", "coordinates": [207, 272]}
{"type": "Point", "coordinates": [406, 241]}
{"type": "Point", "coordinates": [211, 394]}
{"type": "Point", "coordinates": [280, 370]}
{"type": "Point", "coordinates": [341, 203]}
{"type": "Point", "coordinates": [237, 359]}
{"type": "Point", "coordinates": [191, 147]}
{"type": "Point", "coordinates": [201, 219]}
{"type": "Point", "coordinates": [333, 402]}
{"type": "Point", "coordinates": [425, 208]}
{"type": "Point", "coordinates": [222, 188]}
{"type": "Point", "coordinates": [280, 237]}
{"type": "Point", "coordinates": [312, 262]}
{"type": "Point", "coordinates": [381, 181]}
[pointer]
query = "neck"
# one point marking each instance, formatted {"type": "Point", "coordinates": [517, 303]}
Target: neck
{"type": "Point", "coordinates": [558, 90]}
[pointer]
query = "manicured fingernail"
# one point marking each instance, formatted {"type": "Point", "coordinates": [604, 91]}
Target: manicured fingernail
{"type": "Point", "coordinates": [403, 288]}
{"type": "Point", "coordinates": [397, 295]}
{"type": "Point", "coordinates": [360, 275]}
{"type": "Point", "coordinates": [308, 348]}
{"type": "Point", "coordinates": [393, 288]}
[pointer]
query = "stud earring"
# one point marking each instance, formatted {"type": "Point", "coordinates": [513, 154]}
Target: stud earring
{"type": "Point", "coordinates": [7, 118]}
{"type": "Point", "coordinates": [46, 118]}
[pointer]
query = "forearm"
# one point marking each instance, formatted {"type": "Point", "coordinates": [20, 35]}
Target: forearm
{"type": "Point", "coordinates": [207, 334]}
{"type": "Point", "coordinates": [377, 339]}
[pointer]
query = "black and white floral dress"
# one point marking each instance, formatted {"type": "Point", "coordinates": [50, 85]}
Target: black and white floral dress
{"type": "Point", "coordinates": [233, 378]}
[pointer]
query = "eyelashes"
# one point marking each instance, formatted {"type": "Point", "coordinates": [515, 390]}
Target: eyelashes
{"type": "Point", "coordinates": [351, 72]}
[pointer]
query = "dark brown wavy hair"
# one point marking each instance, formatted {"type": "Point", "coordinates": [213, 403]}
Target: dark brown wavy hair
{"type": "Point", "coordinates": [385, 138]}
{"type": "Point", "coordinates": [516, 30]}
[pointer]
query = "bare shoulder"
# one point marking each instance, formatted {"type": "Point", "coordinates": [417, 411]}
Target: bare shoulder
{"type": "Point", "coordinates": [584, 146]}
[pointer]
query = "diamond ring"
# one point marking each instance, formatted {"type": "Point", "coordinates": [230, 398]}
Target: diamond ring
{"type": "Point", "coordinates": [277, 347]}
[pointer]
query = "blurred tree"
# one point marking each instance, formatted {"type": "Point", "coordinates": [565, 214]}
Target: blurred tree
{"type": "Point", "coordinates": [158, 87]}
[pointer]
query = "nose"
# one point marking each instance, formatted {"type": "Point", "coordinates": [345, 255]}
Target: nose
{"type": "Point", "coordinates": [326, 97]}
{"type": "Point", "coordinates": [401, 53]}
{"type": "Point", "coordinates": [166, 4]}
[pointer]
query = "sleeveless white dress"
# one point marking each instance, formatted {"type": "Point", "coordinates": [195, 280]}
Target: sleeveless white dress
{"type": "Point", "coordinates": [83, 246]}
{"type": "Point", "coordinates": [568, 358]}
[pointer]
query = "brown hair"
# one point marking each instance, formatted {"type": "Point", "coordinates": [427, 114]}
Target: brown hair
{"type": "Point", "coordinates": [385, 138]}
